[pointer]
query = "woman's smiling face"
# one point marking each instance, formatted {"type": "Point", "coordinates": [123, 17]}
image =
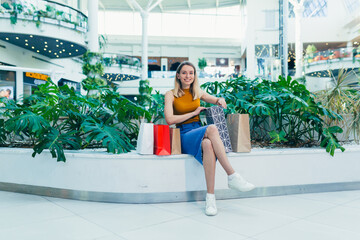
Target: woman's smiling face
{"type": "Point", "coordinates": [186, 76]}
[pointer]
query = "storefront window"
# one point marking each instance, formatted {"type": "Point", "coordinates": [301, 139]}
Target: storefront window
{"type": "Point", "coordinates": [7, 84]}
{"type": "Point", "coordinates": [32, 81]}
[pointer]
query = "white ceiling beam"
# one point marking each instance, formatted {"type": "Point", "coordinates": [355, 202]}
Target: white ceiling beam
{"type": "Point", "coordinates": [102, 5]}
{"type": "Point", "coordinates": [189, 4]}
{"type": "Point", "coordinates": [161, 7]}
{"type": "Point", "coordinates": [136, 5]}
{"type": "Point", "coordinates": [154, 5]}
{"type": "Point", "coordinates": [130, 5]}
{"type": "Point", "coordinates": [217, 3]}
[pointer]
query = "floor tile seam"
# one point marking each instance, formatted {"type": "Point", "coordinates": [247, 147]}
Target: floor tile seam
{"type": "Point", "coordinates": [322, 211]}
{"type": "Point", "coordinates": [34, 223]}
{"type": "Point", "coordinates": [213, 225]}
{"type": "Point", "coordinates": [85, 219]}
{"type": "Point", "coordinates": [271, 212]}
{"type": "Point", "coordinates": [278, 227]}
{"type": "Point", "coordinates": [356, 199]}
{"type": "Point", "coordinates": [83, 215]}
{"type": "Point", "coordinates": [150, 225]}
{"type": "Point", "coordinates": [331, 226]}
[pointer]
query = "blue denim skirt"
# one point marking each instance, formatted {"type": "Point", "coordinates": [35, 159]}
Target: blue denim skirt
{"type": "Point", "coordinates": [192, 135]}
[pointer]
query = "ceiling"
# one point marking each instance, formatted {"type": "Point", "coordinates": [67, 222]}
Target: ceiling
{"type": "Point", "coordinates": [167, 5]}
{"type": "Point", "coordinates": [47, 46]}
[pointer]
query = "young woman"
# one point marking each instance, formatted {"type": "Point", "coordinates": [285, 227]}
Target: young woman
{"type": "Point", "coordinates": [182, 107]}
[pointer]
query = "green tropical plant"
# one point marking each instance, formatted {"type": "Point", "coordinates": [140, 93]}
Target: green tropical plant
{"type": "Point", "coordinates": [202, 63]}
{"type": "Point", "coordinates": [344, 99]}
{"type": "Point", "coordinates": [58, 118]}
{"type": "Point", "coordinates": [283, 111]}
{"type": "Point", "coordinates": [93, 69]}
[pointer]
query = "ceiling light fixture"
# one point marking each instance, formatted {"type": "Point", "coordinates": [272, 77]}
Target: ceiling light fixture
{"type": "Point", "coordinates": [57, 40]}
{"type": "Point", "coordinates": [33, 47]}
{"type": "Point", "coordinates": [17, 37]}
{"type": "Point", "coordinates": [57, 45]}
{"type": "Point", "coordinates": [31, 36]}
{"type": "Point", "coordinates": [7, 39]}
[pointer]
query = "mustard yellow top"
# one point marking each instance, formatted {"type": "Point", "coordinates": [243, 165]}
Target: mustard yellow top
{"type": "Point", "coordinates": [186, 104]}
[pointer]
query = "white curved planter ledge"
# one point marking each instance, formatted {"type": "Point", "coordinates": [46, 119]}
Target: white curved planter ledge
{"type": "Point", "coordinates": [95, 175]}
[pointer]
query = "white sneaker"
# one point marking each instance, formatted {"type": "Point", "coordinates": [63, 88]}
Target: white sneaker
{"type": "Point", "coordinates": [210, 208]}
{"type": "Point", "coordinates": [237, 182]}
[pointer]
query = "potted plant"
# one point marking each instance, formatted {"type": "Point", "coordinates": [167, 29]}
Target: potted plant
{"type": "Point", "coordinates": [202, 63]}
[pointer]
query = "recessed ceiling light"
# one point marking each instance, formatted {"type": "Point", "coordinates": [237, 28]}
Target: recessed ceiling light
{"type": "Point", "coordinates": [63, 50]}
{"type": "Point", "coordinates": [57, 45]}
{"type": "Point", "coordinates": [33, 47]}
{"type": "Point", "coordinates": [72, 45]}
{"type": "Point", "coordinates": [44, 49]}
{"type": "Point", "coordinates": [45, 42]}
{"type": "Point", "coordinates": [57, 40]}
{"type": "Point", "coordinates": [76, 50]}
{"type": "Point", "coordinates": [26, 40]}
{"type": "Point", "coordinates": [60, 52]}
{"type": "Point", "coordinates": [61, 43]}
{"type": "Point", "coordinates": [57, 56]}
{"type": "Point", "coordinates": [31, 36]}
{"type": "Point", "coordinates": [17, 37]}
{"type": "Point", "coordinates": [55, 53]}
{"type": "Point", "coordinates": [37, 51]}
{"type": "Point", "coordinates": [69, 53]}
{"type": "Point", "coordinates": [49, 51]}
{"type": "Point", "coordinates": [46, 45]}
{"type": "Point", "coordinates": [26, 44]}
{"type": "Point", "coordinates": [7, 39]}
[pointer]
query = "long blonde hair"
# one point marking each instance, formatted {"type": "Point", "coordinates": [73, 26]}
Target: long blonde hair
{"type": "Point", "coordinates": [194, 87]}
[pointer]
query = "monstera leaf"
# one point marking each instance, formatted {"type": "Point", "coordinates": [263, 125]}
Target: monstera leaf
{"type": "Point", "coordinates": [111, 137]}
{"type": "Point", "coordinates": [330, 141]}
{"type": "Point", "coordinates": [28, 122]}
{"type": "Point", "coordinates": [55, 142]}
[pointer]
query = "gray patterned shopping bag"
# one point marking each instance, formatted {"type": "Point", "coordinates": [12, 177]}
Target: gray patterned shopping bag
{"type": "Point", "coordinates": [215, 115]}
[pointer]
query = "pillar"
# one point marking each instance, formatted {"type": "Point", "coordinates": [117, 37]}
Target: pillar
{"type": "Point", "coordinates": [93, 38]}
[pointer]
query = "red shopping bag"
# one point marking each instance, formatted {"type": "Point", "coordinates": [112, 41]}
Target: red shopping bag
{"type": "Point", "coordinates": [162, 140]}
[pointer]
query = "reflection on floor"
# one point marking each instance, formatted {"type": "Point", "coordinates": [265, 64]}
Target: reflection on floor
{"type": "Point", "coordinates": [328, 216]}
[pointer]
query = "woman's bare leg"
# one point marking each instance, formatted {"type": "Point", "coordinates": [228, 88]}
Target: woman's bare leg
{"type": "Point", "coordinates": [209, 163]}
{"type": "Point", "coordinates": [219, 149]}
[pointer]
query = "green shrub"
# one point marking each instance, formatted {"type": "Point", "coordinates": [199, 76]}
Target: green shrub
{"type": "Point", "coordinates": [282, 111]}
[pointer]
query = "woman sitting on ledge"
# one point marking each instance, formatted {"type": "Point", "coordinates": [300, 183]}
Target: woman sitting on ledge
{"type": "Point", "coordinates": [182, 107]}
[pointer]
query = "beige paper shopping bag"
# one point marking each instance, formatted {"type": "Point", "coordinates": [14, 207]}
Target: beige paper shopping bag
{"type": "Point", "coordinates": [175, 141]}
{"type": "Point", "coordinates": [239, 130]}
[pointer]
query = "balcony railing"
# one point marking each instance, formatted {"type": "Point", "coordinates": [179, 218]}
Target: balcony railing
{"type": "Point", "coordinates": [44, 11]}
{"type": "Point", "coordinates": [331, 54]}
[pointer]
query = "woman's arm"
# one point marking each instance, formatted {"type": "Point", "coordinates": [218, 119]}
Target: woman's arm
{"type": "Point", "coordinates": [213, 100]}
{"type": "Point", "coordinates": [169, 111]}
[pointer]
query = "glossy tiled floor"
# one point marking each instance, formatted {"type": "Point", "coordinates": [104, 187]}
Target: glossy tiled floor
{"type": "Point", "coordinates": [328, 216]}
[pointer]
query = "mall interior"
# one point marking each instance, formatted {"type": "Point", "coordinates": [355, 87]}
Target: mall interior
{"type": "Point", "coordinates": [300, 194]}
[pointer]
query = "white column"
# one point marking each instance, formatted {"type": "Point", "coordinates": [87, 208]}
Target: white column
{"type": "Point", "coordinates": [19, 85]}
{"type": "Point", "coordinates": [93, 38]}
{"type": "Point", "coordinates": [298, 9]}
{"type": "Point", "coordinates": [252, 12]}
{"type": "Point", "coordinates": [144, 54]}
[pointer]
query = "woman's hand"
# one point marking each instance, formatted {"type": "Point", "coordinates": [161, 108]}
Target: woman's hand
{"type": "Point", "coordinates": [221, 102]}
{"type": "Point", "coordinates": [198, 110]}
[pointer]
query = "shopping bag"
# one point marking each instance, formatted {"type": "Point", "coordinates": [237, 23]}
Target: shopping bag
{"type": "Point", "coordinates": [215, 115]}
{"type": "Point", "coordinates": [239, 130]}
{"type": "Point", "coordinates": [175, 141]}
{"type": "Point", "coordinates": [162, 140]}
{"type": "Point", "coordinates": [145, 140]}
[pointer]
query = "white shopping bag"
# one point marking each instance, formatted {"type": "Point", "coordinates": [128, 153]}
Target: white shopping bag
{"type": "Point", "coordinates": [145, 141]}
